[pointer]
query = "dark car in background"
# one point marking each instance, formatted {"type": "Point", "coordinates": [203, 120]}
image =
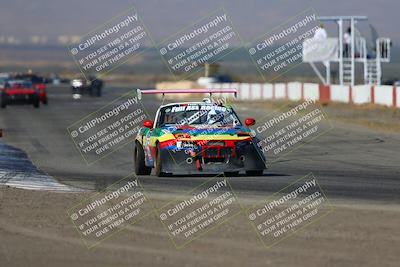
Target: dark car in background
{"type": "Point", "coordinates": [80, 86]}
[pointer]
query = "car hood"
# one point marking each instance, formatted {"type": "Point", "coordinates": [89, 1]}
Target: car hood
{"type": "Point", "coordinates": [20, 91]}
{"type": "Point", "coordinates": [205, 132]}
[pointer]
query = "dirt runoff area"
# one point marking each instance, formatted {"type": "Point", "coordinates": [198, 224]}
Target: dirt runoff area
{"type": "Point", "coordinates": [36, 231]}
{"type": "Point", "coordinates": [375, 117]}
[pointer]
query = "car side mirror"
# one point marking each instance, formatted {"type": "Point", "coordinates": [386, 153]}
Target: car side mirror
{"type": "Point", "coordinates": [148, 124]}
{"type": "Point", "coordinates": [249, 122]}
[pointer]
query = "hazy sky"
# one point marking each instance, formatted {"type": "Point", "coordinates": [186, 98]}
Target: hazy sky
{"type": "Point", "coordinates": [165, 17]}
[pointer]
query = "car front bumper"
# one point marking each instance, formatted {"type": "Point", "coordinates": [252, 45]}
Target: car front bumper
{"type": "Point", "coordinates": [244, 158]}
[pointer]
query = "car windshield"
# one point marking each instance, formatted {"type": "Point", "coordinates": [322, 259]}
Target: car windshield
{"type": "Point", "coordinates": [32, 78]}
{"type": "Point", "coordinates": [19, 84]}
{"type": "Point", "coordinates": [198, 115]}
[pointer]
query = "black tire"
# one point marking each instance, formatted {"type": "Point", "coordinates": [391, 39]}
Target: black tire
{"type": "Point", "coordinates": [231, 174]}
{"type": "Point", "coordinates": [45, 101]}
{"type": "Point", "coordinates": [255, 173]}
{"type": "Point", "coordinates": [3, 102]}
{"type": "Point", "coordinates": [158, 163]}
{"type": "Point", "coordinates": [140, 166]}
{"type": "Point", "coordinates": [36, 103]}
{"type": "Point", "coordinates": [91, 91]}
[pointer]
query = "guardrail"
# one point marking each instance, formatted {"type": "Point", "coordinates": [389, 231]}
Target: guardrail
{"type": "Point", "coordinates": [360, 94]}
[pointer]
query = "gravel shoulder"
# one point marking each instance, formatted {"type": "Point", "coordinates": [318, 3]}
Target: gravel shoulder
{"type": "Point", "coordinates": [35, 231]}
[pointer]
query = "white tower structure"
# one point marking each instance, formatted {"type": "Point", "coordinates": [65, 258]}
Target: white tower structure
{"type": "Point", "coordinates": [332, 50]}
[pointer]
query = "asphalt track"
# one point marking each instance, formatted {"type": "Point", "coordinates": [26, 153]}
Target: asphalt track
{"type": "Point", "coordinates": [350, 162]}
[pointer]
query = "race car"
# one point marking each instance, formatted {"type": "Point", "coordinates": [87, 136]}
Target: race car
{"type": "Point", "coordinates": [38, 82]}
{"type": "Point", "coordinates": [195, 138]}
{"type": "Point", "coordinates": [4, 77]}
{"type": "Point", "coordinates": [19, 91]}
{"type": "Point", "coordinates": [81, 86]}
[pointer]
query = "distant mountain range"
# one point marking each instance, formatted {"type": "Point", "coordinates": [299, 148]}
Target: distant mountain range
{"type": "Point", "coordinates": [52, 18]}
{"type": "Point", "coordinates": [57, 59]}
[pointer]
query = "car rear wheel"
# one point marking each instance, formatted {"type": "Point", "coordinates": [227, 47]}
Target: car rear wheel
{"type": "Point", "coordinates": [140, 166]}
{"type": "Point", "coordinates": [255, 173]}
{"type": "Point", "coordinates": [36, 103]}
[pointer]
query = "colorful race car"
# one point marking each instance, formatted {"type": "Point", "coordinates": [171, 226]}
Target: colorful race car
{"type": "Point", "coordinates": [19, 91]}
{"type": "Point", "coordinates": [196, 138]}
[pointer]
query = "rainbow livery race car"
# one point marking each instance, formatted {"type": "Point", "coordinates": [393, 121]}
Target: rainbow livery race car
{"type": "Point", "coordinates": [195, 138]}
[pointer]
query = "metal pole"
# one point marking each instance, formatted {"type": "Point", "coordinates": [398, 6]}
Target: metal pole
{"type": "Point", "coordinates": [352, 51]}
{"type": "Point", "coordinates": [378, 62]}
{"type": "Point", "coordinates": [340, 25]}
{"type": "Point", "coordinates": [328, 72]}
{"type": "Point", "coordinates": [317, 72]}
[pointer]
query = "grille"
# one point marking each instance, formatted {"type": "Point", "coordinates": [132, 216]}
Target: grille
{"type": "Point", "coordinates": [21, 97]}
{"type": "Point", "coordinates": [211, 152]}
{"type": "Point", "coordinates": [217, 152]}
{"type": "Point", "coordinates": [226, 151]}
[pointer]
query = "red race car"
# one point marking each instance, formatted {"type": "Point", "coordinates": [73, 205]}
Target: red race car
{"type": "Point", "coordinates": [38, 82]}
{"type": "Point", "coordinates": [19, 91]}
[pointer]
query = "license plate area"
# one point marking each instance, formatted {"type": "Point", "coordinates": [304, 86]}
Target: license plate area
{"type": "Point", "coordinates": [218, 151]}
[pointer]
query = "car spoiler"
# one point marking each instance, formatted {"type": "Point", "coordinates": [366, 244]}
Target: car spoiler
{"type": "Point", "coordinates": [185, 91]}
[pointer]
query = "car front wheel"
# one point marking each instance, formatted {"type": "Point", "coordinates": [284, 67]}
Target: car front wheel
{"type": "Point", "coordinates": [36, 103]}
{"type": "Point", "coordinates": [140, 166]}
{"type": "Point", "coordinates": [158, 163]}
{"type": "Point", "coordinates": [3, 101]}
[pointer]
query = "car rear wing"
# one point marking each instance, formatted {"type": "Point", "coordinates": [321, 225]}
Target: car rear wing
{"type": "Point", "coordinates": [185, 91]}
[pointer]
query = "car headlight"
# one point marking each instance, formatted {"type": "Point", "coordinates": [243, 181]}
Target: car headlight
{"type": "Point", "coordinates": [76, 83]}
{"type": "Point", "coordinates": [179, 144]}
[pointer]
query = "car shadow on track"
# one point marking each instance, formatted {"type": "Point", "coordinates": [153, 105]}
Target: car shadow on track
{"type": "Point", "coordinates": [215, 175]}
